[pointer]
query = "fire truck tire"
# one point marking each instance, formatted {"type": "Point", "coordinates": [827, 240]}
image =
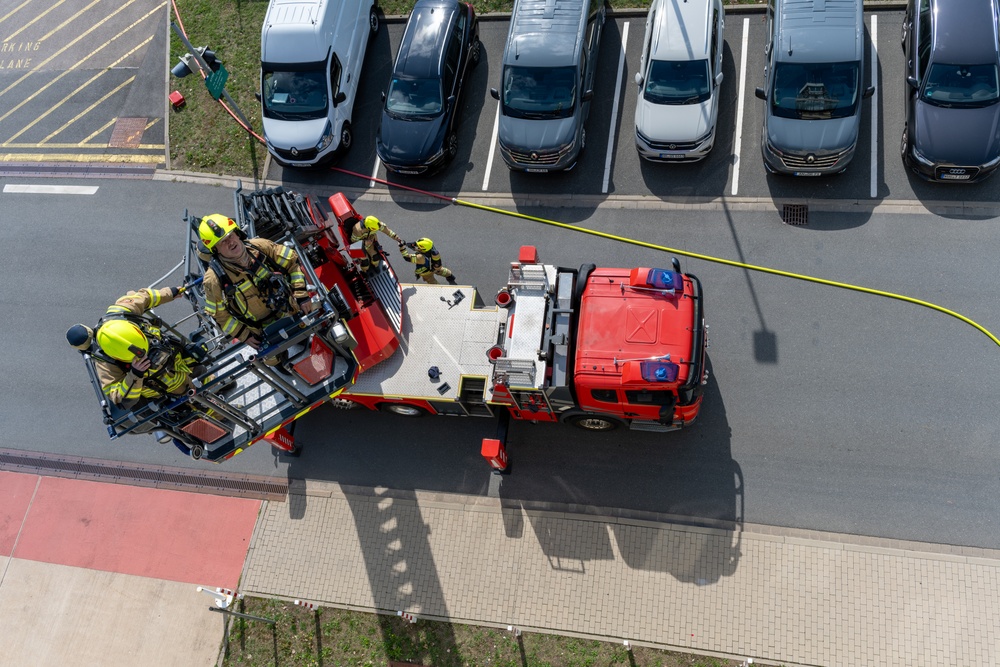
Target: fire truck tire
{"type": "Point", "coordinates": [589, 422]}
{"type": "Point", "coordinates": [402, 409]}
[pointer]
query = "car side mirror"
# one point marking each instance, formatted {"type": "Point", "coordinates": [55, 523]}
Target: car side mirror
{"type": "Point", "coordinates": [869, 91]}
{"type": "Point", "coordinates": [759, 92]}
{"type": "Point", "coordinates": [383, 96]}
{"type": "Point", "coordinates": [638, 78]}
{"type": "Point", "coordinates": [257, 95]}
{"type": "Point", "coordinates": [718, 79]}
{"type": "Point", "coordinates": [451, 101]}
{"type": "Point", "coordinates": [912, 80]}
{"type": "Point", "coordinates": [587, 96]}
{"type": "Point", "coordinates": [494, 94]}
{"type": "Point", "coordinates": [341, 96]}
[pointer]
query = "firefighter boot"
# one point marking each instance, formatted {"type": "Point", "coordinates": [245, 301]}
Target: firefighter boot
{"type": "Point", "coordinates": [451, 280]}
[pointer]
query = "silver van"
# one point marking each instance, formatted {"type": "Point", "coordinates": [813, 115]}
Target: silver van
{"type": "Point", "coordinates": [813, 81]}
{"type": "Point", "coordinates": [311, 52]}
{"type": "Point", "coordinates": [547, 82]}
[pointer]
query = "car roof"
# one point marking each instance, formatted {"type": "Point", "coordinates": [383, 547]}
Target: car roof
{"type": "Point", "coordinates": [546, 32]}
{"type": "Point", "coordinates": [965, 32]}
{"type": "Point", "coordinates": [421, 50]}
{"type": "Point", "coordinates": [682, 29]}
{"type": "Point", "coordinates": [819, 31]}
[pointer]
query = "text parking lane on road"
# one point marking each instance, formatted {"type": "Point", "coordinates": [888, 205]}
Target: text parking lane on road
{"type": "Point", "coordinates": [89, 87]}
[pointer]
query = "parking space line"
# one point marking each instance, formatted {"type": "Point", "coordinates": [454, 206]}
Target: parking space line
{"type": "Point", "coordinates": [89, 109]}
{"type": "Point", "coordinates": [14, 11]}
{"type": "Point", "coordinates": [51, 189]}
{"type": "Point", "coordinates": [55, 55]}
{"type": "Point", "coordinates": [30, 23]}
{"type": "Point", "coordinates": [875, 153]}
{"type": "Point", "coordinates": [614, 113]}
{"type": "Point", "coordinates": [64, 23]}
{"type": "Point", "coordinates": [81, 87]}
{"type": "Point", "coordinates": [96, 132]}
{"type": "Point", "coordinates": [738, 144]}
{"type": "Point", "coordinates": [493, 145]}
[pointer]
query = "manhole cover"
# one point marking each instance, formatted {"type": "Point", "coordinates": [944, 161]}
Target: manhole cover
{"type": "Point", "coordinates": [127, 133]}
{"type": "Point", "coordinates": [795, 214]}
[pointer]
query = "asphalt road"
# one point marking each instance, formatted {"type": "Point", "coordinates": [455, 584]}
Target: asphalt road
{"type": "Point", "coordinates": [826, 409]}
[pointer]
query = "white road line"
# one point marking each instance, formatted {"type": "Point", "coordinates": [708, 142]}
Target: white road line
{"type": "Point", "coordinates": [875, 153]}
{"type": "Point", "coordinates": [614, 113]}
{"type": "Point", "coordinates": [493, 145]}
{"type": "Point", "coordinates": [51, 189]}
{"type": "Point", "coordinates": [739, 106]}
{"type": "Point", "coordinates": [371, 183]}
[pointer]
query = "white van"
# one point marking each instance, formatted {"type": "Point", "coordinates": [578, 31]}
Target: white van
{"type": "Point", "coordinates": [311, 53]}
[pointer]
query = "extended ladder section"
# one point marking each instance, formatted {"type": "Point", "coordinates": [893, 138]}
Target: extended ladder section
{"type": "Point", "coordinates": [523, 361]}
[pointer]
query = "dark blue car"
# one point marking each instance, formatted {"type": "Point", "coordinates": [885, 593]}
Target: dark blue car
{"type": "Point", "coordinates": [417, 133]}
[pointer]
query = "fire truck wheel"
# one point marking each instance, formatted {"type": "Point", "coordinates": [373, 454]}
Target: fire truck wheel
{"type": "Point", "coordinates": [593, 422]}
{"type": "Point", "coordinates": [402, 409]}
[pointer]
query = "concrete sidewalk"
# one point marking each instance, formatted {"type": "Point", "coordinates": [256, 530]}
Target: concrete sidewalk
{"type": "Point", "coordinates": [784, 596]}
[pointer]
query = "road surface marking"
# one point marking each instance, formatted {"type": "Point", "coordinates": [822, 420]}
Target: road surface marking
{"type": "Point", "coordinates": [89, 109]}
{"type": "Point", "coordinates": [738, 146]}
{"type": "Point", "coordinates": [493, 145]}
{"type": "Point", "coordinates": [50, 189]}
{"type": "Point", "coordinates": [874, 31]}
{"type": "Point", "coordinates": [614, 113]}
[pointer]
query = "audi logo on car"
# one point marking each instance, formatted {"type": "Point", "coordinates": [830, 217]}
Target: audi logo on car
{"type": "Point", "coordinates": [957, 172]}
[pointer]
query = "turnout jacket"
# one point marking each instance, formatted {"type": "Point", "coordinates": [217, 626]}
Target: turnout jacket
{"type": "Point", "coordinates": [244, 311]}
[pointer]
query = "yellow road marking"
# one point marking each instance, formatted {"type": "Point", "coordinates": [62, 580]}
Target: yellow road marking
{"type": "Point", "coordinates": [81, 87]}
{"type": "Point", "coordinates": [13, 11]}
{"type": "Point", "coordinates": [31, 22]}
{"type": "Point", "coordinates": [151, 124]}
{"type": "Point", "coordinates": [64, 23]}
{"type": "Point", "coordinates": [113, 158]}
{"type": "Point", "coordinates": [101, 146]}
{"type": "Point", "coordinates": [84, 142]}
{"type": "Point", "coordinates": [63, 49]}
{"type": "Point", "coordinates": [90, 108]}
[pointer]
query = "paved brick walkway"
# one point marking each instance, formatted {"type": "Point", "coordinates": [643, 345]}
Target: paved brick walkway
{"type": "Point", "coordinates": [788, 596]}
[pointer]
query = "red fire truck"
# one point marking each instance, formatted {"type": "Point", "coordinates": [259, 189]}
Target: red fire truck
{"type": "Point", "coordinates": [594, 347]}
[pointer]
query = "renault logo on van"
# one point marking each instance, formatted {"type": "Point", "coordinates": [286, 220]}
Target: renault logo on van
{"type": "Point", "coordinates": [810, 158]}
{"type": "Point", "coordinates": [534, 156]}
{"type": "Point", "coordinates": [294, 151]}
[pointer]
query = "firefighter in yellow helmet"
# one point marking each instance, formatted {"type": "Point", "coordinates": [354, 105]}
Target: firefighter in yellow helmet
{"type": "Point", "coordinates": [366, 231]}
{"type": "Point", "coordinates": [427, 261]}
{"type": "Point", "coordinates": [249, 284]}
{"type": "Point", "coordinates": [134, 358]}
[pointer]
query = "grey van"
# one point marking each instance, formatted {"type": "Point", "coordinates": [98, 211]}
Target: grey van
{"type": "Point", "coordinates": [547, 81]}
{"type": "Point", "coordinates": [812, 85]}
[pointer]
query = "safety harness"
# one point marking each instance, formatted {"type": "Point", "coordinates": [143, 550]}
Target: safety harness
{"type": "Point", "coordinates": [271, 294]}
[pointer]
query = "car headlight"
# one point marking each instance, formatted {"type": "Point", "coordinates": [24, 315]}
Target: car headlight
{"type": "Point", "coordinates": [992, 163]}
{"type": "Point", "coordinates": [771, 147]}
{"type": "Point", "coordinates": [707, 136]}
{"type": "Point", "coordinates": [919, 157]}
{"type": "Point", "coordinates": [327, 138]}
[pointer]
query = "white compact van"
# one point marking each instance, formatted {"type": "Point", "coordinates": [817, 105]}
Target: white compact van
{"type": "Point", "coordinates": [311, 53]}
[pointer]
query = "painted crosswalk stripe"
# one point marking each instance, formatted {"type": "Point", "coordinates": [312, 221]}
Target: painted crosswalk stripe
{"type": "Point", "coordinates": [51, 189]}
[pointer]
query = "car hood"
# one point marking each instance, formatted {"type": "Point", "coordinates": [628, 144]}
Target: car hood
{"type": "Point", "coordinates": [288, 134]}
{"type": "Point", "coordinates": [526, 134]}
{"type": "Point", "coordinates": [958, 136]}
{"type": "Point", "coordinates": [409, 141]}
{"type": "Point", "coordinates": [830, 135]}
{"type": "Point", "coordinates": [674, 122]}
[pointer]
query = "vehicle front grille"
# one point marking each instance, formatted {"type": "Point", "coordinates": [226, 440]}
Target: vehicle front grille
{"type": "Point", "coordinates": [954, 173]}
{"type": "Point", "coordinates": [820, 162]}
{"type": "Point", "coordinates": [301, 154]}
{"type": "Point", "coordinates": [539, 157]}
{"type": "Point", "coordinates": [671, 145]}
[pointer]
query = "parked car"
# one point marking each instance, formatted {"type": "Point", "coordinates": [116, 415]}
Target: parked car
{"type": "Point", "coordinates": [679, 80]}
{"type": "Point", "coordinates": [547, 79]}
{"type": "Point", "coordinates": [417, 133]}
{"type": "Point", "coordinates": [813, 81]}
{"type": "Point", "coordinates": [952, 131]}
{"type": "Point", "coordinates": [311, 53]}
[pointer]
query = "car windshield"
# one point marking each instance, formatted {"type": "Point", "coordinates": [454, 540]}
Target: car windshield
{"type": "Point", "coordinates": [677, 82]}
{"type": "Point", "coordinates": [815, 91]}
{"type": "Point", "coordinates": [539, 92]}
{"type": "Point", "coordinates": [298, 95]}
{"type": "Point", "coordinates": [961, 85]}
{"type": "Point", "coordinates": [414, 97]}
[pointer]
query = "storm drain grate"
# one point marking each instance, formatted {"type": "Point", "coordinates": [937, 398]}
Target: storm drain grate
{"type": "Point", "coordinates": [795, 214]}
{"type": "Point", "coordinates": [127, 133]}
{"type": "Point", "coordinates": [137, 474]}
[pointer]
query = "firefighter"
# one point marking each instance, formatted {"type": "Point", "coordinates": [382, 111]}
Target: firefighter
{"type": "Point", "coordinates": [367, 231]}
{"type": "Point", "coordinates": [249, 284]}
{"type": "Point", "coordinates": [136, 360]}
{"type": "Point", "coordinates": [427, 260]}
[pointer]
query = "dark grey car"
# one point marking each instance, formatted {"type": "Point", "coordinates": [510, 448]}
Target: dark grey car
{"type": "Point", "coordinates": [952, 131]}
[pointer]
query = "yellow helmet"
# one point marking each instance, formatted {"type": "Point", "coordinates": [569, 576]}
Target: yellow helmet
{"type": "Point", "coordinates": [122, 340]}
{"type": "Point", "coordinates": [214, 227]}
{"type": "Point", "coordinates": [424, 245]}
{"type": "Point", "coordinates": [372, 223]}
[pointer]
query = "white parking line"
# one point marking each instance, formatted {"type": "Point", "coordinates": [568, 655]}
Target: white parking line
{"type": "Point", "coordinates": [51, 189]}
{"type": "Point", "coordinates": [875, 154]}
{"type": "Point", "coordinates": [493, 145]}
{"type": "Point", "coordinates": [614, 113]}
{"type": "Point", "coordinates": [739, 107]}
